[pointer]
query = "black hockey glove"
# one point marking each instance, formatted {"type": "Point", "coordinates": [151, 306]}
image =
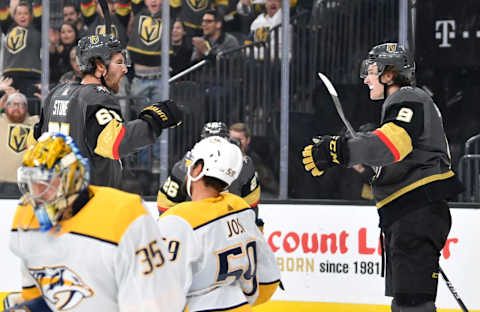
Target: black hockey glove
{"type": "Point", "coordinates": [328, 151]}
{"type": "Point", "coordinates": [162, 115]}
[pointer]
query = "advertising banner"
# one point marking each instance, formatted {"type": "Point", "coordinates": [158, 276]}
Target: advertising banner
{"type": "Point", "coordinates": [332, 254]}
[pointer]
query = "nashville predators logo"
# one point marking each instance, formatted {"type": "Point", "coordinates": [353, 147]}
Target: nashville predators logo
{"type": "Point", "coordinates": [391, 47]}
{"type": "Point", "coordinates": [149, 29]}
{"type": "Point", "coordinates": [61, 287]}
{"type": "Point", "coordinates": [197, 5]}
{"type": "Point", "coordinates": [17, 137]}
{"type": "Point", "coordinates": [261, 34]}
{"type": "Point", "coordinates": [17, 39]}
{"type": "Point", "coordinates": [100, 30]}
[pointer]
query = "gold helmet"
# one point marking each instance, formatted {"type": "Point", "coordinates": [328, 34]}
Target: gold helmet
{"type": "Point", "coordinates": [51, 177]}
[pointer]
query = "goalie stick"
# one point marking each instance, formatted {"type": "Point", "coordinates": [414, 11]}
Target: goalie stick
{"type": "Point", "coordinates": [338, 106]}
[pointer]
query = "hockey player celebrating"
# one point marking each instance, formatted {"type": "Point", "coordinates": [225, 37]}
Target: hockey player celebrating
{"type": "Point", "coordinates": [84, 247]}
{"type": "Point", "coordinates": [246, 185]}
{"type": "Point", "coordinates": [413, 179]}
{"type": "Point", "coordinates": [226, 263]}
{"type": "Point", "coordinates": [91, 115]}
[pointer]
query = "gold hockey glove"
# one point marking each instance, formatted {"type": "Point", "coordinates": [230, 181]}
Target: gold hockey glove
{"type": "Point", "coordinates": [328, 151]}
{"type": "Point", "coordinates": [162, 115]}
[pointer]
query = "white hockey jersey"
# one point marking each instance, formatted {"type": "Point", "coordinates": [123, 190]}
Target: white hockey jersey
{"type": "Point", "coordinates": [224, 260]}
{"type": "Point", "coordinates": [108, 257]}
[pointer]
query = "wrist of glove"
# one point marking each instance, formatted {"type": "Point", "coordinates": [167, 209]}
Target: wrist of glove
{"type": "Point", "coordinates": [327, 151]}
{"type": "Point", "coordinates": [162, 115]}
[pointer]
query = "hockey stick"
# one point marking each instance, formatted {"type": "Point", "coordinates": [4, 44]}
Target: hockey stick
{"type": "Point", "coordinates": [453, 291]}
{"type": "Point", "coordinates": [106, 17]}
{"type": "Point", "coordinates": [336, 101]}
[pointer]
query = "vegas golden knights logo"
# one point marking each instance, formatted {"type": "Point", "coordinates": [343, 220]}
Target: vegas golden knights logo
{"type": "Point", "coordinates": [261, 34]}
{"type": "Point", "coordinates": [100, 30]}
{"type": "Point", "coordinates": [17, 39]}
{"type": "Point", "coordinates": [17, 137]}
{"type": "Point", "coordinates": [149, 29]}
{"type": "Point", "coordinates": [391, 47]}
{"type": "Point", "coordinates": [197, 5]}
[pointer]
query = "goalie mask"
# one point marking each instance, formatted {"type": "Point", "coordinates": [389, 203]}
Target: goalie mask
{"type": "Point", "coordinates": [389, 54]}
{"type": "Point", "coordinates": [221, 160]}
{"type": "Point", "coordinates": [51, 177]}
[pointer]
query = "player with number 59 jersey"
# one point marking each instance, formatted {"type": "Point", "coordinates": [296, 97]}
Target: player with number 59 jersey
{"type": "Point", "coordinates": [213, 240]}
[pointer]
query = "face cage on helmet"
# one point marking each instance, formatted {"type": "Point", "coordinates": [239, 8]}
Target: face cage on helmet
{"type": "Point", "coordinates": [47, 211]}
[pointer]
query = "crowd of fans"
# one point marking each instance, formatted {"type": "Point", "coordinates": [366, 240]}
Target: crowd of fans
{"type": "Point", "coordinates": [197, 33]}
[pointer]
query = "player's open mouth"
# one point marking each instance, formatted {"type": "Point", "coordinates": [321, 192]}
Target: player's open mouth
{"type": "Point", "coordinates": [370, 87]}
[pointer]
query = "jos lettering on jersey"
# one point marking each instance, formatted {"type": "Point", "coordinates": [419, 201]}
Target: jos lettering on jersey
{"type": "Point", "coordinates": [234, 227]}
{"type": "Point", "coordinates": [60, 107]}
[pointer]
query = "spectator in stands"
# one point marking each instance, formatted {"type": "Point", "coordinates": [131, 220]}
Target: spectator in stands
{"type": "Point", "coordinates": [267, 28]}
{"type": "Point", "coordinates": [192, 15]}
{"type": "Point", "coordinates": [72, 14]}
{"type": "Point", "coordinates": [21, 51]}
{"type": "Point", "coordinates": [239, 131]}
{"type": "Point", "coordinates": [15, 125]}
{"type": "Point", "coordinates": [145, 47]}
{"type": "Point", "coordinates": [5, 87]}
{"type": "Point", "coordinates": [214, 38]}
{"type": "Point", "coordinates": [181, 48]}
{"type": "Point", "coordinates": [74, 75]}
{"type": "Point", "coordinates": [248, 10]}
{"type": "Point", "coordinates": [120, 13]}
{"type": "Point", "coordinates": [60, 51]}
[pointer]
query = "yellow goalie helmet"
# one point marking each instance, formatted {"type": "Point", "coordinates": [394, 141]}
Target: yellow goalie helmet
{"type": "Point", "coordinates": [51, 177]}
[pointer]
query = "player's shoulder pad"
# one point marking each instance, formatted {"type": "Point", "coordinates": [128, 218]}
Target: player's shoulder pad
{"type": "Point", "coordinates": [96, 94]}
{"type": "Point", "coordinates": [25, 218]}
{"type": "Point", "coordinates": [107, 215]}
{"type": "Point", "coordinates": [200, 213]}
{"type": "Point", "coordinates": [408, 94]}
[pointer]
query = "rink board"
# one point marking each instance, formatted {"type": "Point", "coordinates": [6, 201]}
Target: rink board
{"type": "Point", "coordinates": [329, 257]}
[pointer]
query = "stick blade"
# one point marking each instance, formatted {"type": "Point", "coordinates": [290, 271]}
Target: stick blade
{"type": "Point", "coordinates": [328, 84]}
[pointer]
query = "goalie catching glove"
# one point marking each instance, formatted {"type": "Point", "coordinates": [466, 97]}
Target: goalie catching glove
{"type": "Point", "coordinates": [328, 151]}
{"type": "Point", "coordinates": [162, 115]}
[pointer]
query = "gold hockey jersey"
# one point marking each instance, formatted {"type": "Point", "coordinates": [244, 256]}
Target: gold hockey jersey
{"type": "Point", "coordinates": [108, 257]}
{"type": "Point", "coordinates": [224, 260]}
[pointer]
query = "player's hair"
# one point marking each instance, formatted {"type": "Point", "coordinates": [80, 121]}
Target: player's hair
{"type": "Point", "coordinates": [398, 79]}
{"type": "Point", "coordinates": [241, 127]}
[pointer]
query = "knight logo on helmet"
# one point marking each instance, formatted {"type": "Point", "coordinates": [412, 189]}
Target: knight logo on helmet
{"type": "Point", "coordinates": [93, 39]}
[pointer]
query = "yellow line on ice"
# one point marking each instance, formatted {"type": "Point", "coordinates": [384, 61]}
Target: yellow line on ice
{"type": "Point", "coordinates": [298, 306]}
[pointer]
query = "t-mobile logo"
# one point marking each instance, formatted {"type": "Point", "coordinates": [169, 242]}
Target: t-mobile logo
{"type": "Point", "coordinates": [444, 30]}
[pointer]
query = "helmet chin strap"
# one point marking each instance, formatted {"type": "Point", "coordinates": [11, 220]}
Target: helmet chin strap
{"type": "Point", "coordinates": [385, 86]}
{"type": "Point", "coordinates": [191, 179]}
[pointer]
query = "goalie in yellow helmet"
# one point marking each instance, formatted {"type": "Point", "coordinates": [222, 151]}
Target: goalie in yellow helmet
{"type": "Point", "coordinates": [52, 175]}
{"type": "Point", "coordinates": [65, 225]}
